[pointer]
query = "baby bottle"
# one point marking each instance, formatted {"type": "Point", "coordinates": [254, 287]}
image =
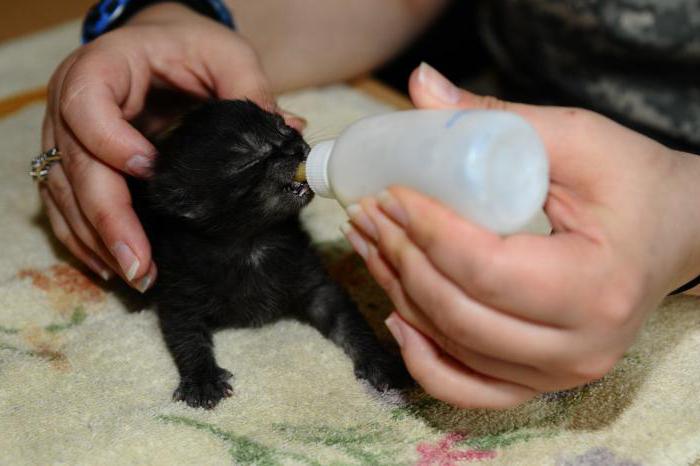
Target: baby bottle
{"type": "Point", "coordinates": [488, 166]}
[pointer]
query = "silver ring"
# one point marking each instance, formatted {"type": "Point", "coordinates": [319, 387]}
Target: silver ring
{"type": "Point", "coordinates": [42, 163]}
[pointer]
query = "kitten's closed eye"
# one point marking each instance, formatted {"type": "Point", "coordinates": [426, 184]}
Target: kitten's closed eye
{"type": "Point", "coordinates": [236, 168]}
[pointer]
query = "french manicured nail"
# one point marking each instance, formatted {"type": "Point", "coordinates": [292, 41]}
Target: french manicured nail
{"type": "Point", "coordinates": [100, 269]}
{"type": "Point", "coordinates": [147, 281]}
{"type": "Point", "coordinates": [362, 220]}
{"type": "Point", "coordinates": [394, 326]}
{"type": "Point", "coordinates": [144, 283]}
{"type": "Point", "coordinates": [126, 258]}
{"type": "Point", "coordinates": [105, 274]}
{"type": "Point", "coordinates": [391, 206]}
{"type": "Point", "coordinates": [356, 240]}
{"type": "Point", "coordinates": [437, 85]}
{"type": "Point", "coordinates": [139, 165]}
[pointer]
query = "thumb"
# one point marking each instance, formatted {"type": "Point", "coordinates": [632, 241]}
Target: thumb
{"type": "Point", "coordinates": [559, 127]}
{"type": "Point", "coordinates": [430, 89]}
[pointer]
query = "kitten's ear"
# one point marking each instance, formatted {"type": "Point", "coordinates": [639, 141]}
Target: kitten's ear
{"type": "Point", "coordinates": [173, 198]}
{"type": "Point", "coordinates": [159, 138]}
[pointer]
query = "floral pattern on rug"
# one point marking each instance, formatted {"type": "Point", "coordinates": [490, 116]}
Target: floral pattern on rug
{"type": "Point", "coordinates": [599, 456]}
{"type": "Point", "coordinates": [70, 293]}
{"type": "Point", "coordinates": [85, 378]}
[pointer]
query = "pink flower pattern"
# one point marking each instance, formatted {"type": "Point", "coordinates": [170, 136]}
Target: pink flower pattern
{"type": "Point", "coordinates": [442, 454]}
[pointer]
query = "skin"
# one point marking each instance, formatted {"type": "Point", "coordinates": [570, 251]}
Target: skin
{"type": "Point", "coordinates": [482, 321]}
{"type": "Point", "coordinates": [490, 321]}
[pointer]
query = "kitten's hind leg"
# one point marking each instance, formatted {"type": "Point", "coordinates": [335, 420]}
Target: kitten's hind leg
{"type": "Point", "coordinates": [202, 382]}
{"type": "Point", "coordinates": [330, 310]}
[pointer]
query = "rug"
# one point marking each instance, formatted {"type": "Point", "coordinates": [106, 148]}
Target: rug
{"type": "Point", "coordinates": [85, 378]}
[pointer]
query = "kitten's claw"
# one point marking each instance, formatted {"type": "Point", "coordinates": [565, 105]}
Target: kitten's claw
{"type": "Point", "coordinates": [205, 393]}
{"type": "Point", "coordinates": [384, 373]}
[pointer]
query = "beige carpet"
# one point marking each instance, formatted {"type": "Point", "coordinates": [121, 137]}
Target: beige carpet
{"type": "Point", "coordinates": [86, 380]}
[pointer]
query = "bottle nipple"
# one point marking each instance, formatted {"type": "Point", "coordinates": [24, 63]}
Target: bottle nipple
{"type": "Point", "coordinates": [300, 174]}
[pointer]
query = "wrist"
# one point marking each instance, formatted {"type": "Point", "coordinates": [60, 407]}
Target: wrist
{"type": "Point", "coordinates": [687, 195]}
{"type": "Point", "coordinates": [162, 13]}
{"type": "Point", "coordinates": [107, 15]}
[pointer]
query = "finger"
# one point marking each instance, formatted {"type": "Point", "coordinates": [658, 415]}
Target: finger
{"type": "Point", "coordinates": [148, 280]}
{"type": "Point", "coordinates": [533, 277]}
{"type": "Point", "coordinates": [69, 240]}
{"type": "Point", "coordinates": [47, 139]}
{"type": "Point", "coordinates": [294, 120]}
{"type": "Point", "coordinates": [538, 379]}
{"type": "Point", "coordinates": [98, 94]}
{"type": "Point", "coordinates": [445, 379]}
{"type": "Point", "coordinates": [236, 73]}
{"type": "Point", "coordinates": [523, 374]}
{"type": "Point", "coordinates": [104, 199]}
{"type": "Point", "coordinates": [384, 275]}
{"type": "Point", "coordinates": [103, 196]}
{"type": "Point", "coordinates": [454, 313]}
{"type": "Point", "coordinates": [520, 374]}
{"type": "Point", "coordinates": [64, 198]}
{"type": "Point", "coordinates": [105, 263]}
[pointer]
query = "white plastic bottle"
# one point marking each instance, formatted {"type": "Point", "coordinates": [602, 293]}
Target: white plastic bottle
{"type": "Point", "coordinates": [488, 166]}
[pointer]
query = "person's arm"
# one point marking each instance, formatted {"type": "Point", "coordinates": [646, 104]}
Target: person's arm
{"type": "Point", "coordinates": [310, 42]}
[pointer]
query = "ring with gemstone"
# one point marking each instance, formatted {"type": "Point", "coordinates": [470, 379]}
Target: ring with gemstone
{"type": "Point", "coordinates": [42, 163]}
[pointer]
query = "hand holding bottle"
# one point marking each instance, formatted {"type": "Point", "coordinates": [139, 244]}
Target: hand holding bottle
{"type": "Point", "coordinates": [491, 321]}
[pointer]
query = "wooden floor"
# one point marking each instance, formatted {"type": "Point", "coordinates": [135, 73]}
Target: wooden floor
{"type": "Point", "coordinates": [26, 16]}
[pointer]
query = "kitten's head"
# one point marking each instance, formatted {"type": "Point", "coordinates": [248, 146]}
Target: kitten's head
{"type": "Point", "coordinates": [230, 164]}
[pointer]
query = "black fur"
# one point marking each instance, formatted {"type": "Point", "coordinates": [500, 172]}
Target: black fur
{"type": "Point", "coordinates": [221, 212]}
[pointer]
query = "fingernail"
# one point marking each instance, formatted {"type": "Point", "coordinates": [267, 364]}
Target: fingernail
{"type": "Point", "coordinates": [295, 121]}
{"type": "Point", "coordinates": [392, 207]}
{"type": "Point", "coordinates": [126, 258]}
{"type": "Point", "coordinates": [356, 240]}
{"type": "Point", "coordinates": [394, 327]}
{"type": "Point", "coordinates": [139, 165]}
{"type": "Point", "coordinates": [144, 283]}
{"type": "Point", "coordinates": [100, 269]}
{"type": "Point", "coordinates": [437, 85]}
{"type": "Point", "coordinates": [362, 220]}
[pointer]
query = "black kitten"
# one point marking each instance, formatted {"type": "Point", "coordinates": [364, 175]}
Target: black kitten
{"type": "Point", "coordinates": [221, 210]}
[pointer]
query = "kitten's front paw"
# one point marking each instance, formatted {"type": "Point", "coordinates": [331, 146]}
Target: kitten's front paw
{"type": "Point", "coordinates": [204, 392]}
{"type": "Point", "coordinates": [384, 372]}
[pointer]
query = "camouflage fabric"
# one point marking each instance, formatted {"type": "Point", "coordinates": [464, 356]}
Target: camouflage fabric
{"type": "Point", "coordinates": [635, 60]}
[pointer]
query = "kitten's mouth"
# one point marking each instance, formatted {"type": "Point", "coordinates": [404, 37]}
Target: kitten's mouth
{"type": "Point", "coordinates": [300, 189]}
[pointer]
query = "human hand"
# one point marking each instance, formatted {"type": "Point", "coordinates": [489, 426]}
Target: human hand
{"type": "Point", "coordinates": [489, 321]}
{"type": "Point", "coordinates": [93, 97]}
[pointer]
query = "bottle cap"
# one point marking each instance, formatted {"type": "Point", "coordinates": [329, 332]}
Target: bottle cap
{"type": "Point", "coordinates": [317, 168]}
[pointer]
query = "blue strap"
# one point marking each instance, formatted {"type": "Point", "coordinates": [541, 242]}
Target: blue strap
{"type": "Point", "coordinates": [104, 15]}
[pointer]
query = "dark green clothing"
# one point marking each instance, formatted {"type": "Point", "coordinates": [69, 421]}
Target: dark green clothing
{"type": "Point", "coordinates": [635, 60]}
